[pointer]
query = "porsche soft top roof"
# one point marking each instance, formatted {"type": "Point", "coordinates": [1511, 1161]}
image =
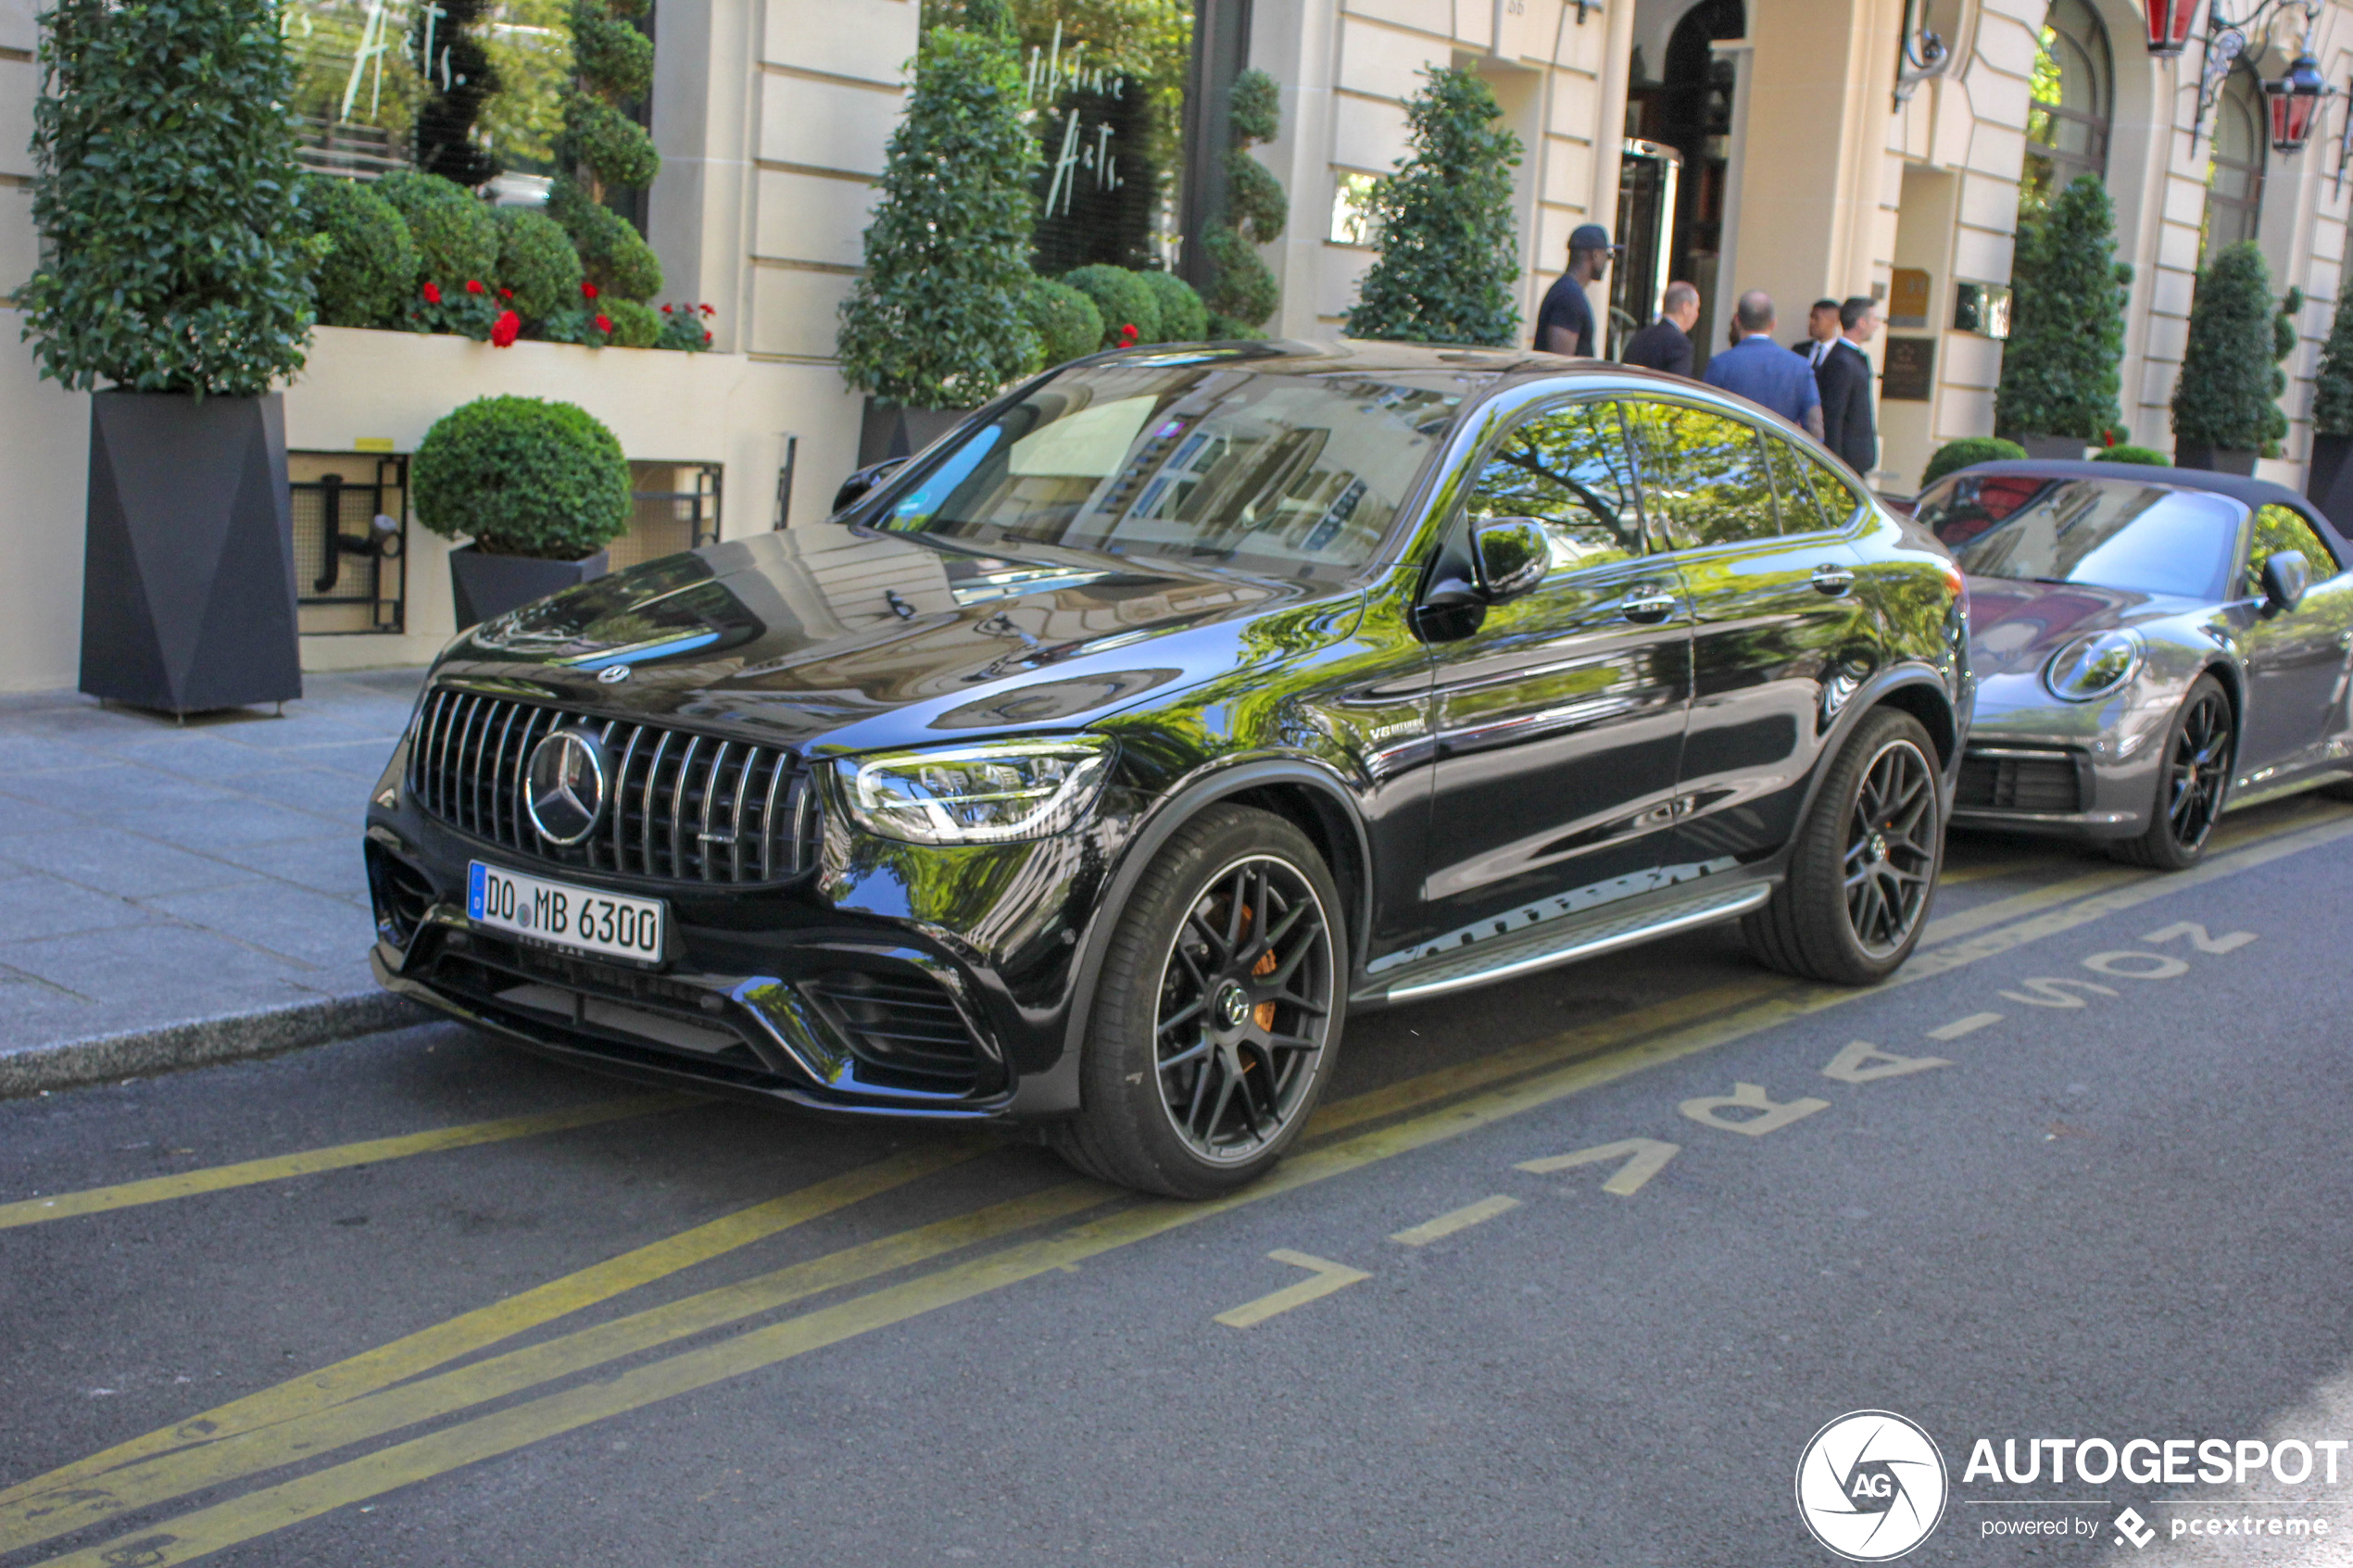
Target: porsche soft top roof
{"type": "Point", "coordinates": [2238, 487]}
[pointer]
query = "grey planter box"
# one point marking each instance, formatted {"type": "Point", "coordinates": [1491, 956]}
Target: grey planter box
{"type": "Point", "coordinates": [2048, 448]}
{"type": "Point", "coordinates": [487, 586]}
{"type": "Point", "coordinates": [188, 578]}
{"type": "Point", "coordinates": [889, 431]}
{"type": "Point", "coordinates": [2214, 459]}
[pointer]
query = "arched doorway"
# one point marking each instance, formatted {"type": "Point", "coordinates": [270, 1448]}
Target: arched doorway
{"type": "Point", "coordinates": [2234, 166]}
{"type": "Point", "coordinates": [1688, 107]}
{"type": "Point", "coordinates": [2073, 100]}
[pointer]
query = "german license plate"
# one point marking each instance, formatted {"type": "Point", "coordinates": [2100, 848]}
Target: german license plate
{"type": "Point", "coordinates": [583, 918]}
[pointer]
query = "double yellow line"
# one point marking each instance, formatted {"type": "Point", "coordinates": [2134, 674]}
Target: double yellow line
{"type": "Point", "coordinates": [355, 1401]}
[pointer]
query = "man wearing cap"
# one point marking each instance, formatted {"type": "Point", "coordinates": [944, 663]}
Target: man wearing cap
{"type": "Point", "coordinates": [1565, 323]}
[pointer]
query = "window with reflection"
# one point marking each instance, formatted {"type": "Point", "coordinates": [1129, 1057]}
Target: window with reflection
{"type": "Point", "coordinates": [2072, 98]}
{"type": "Point", "coordinates": [2279, 528]}
{"type": "Point", "coordinates": [2110, 533]}
{"type": "Point", "coordinates": [1704, 475]}
{"type": "Point", "coordinates": [2234, 166]}
{"type": "Point", "coordinates": [1569, 468]}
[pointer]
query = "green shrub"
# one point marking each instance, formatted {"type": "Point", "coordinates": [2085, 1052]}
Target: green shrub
{"type": "Point", "coordinates": [1225, 329]}
{"type": "Point", "coordinates": [175, 256]}
{"type": "Point", "coordinates": [616, 257]}
{"type": "Point", "coordinates": [1970, 449]}
{"type": "Point", "coordinates": [1255, 201]}
{"type": "Point", "coordinates": [1242, 288]}
{"type": "Point", "coordinates": [2333, 388]}
{"type": "Point", "coordinates": [610, 52]}
{"type": "Point", "coordinates": [601, 138]}
{"type": "Point", "coordinates": [536, 262]}
{"type": "Point", "coordinates": [684, 327]}
{"type": "Point", "coordinates": [2130, 454]}
{"type": "Point", "coordinates": [370, 271]}
{"type": "Point", "coordinates": [1183, 317]}
{"type": "Point", "coordinates": [614, 64]}
{"type": "Point", "coordinates": [1065, 321]}
{"type": "Point", "coordinates": [634, 325]}
{"type": "Point", "coordinates": [455, 236]}
{"type": "Point", "coordinates": [523, 477]}
{"type": "Point", "coordinates": [2226, 395]}
{"type": "Point", "coordinates": [1448, 263]}
{"type": "Point", "coordinates": [936, 321]}
{"type": "Point", "coordinates": [1256, 110]}
{"type": "Point", "coordinates": [2060, 366]}
{"type": "Point", "coordinates": [1122, 297]}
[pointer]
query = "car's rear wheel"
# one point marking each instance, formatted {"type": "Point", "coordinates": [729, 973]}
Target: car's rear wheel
{"type": "Point", "coordinates": [1865, 864]}
{"type": "Point", "coordinates": [1218, 1011]}
{"type": "Point", "coordinates": [2191, 783]}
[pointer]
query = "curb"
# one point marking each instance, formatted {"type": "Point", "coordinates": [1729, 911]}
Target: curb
{"type": "Point", "coordinates": [65, 1064]}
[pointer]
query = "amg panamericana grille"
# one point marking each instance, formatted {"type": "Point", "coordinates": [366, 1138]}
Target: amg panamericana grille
{"type": "Point", "coordinates": [680, 807]}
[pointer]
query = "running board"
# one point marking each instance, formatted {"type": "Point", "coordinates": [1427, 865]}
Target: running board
{"type": "Point", "coordinates": [1476, 967]}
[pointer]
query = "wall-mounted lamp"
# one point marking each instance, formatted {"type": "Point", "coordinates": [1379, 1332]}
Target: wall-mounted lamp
{"type": "Point", "coordinates": [2294, 98]}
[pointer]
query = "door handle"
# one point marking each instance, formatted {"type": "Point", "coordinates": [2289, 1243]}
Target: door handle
{"type": "Point", "coordinates": [1832, 580]}
{"type": "Point", "coordinates": [1647, 606]}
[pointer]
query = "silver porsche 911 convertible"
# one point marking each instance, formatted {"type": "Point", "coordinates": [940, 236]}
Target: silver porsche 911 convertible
{"type": "Point", "coordinates": [2152, 647]}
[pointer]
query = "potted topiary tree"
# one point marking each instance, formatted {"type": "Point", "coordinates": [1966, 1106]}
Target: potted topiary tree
{"type": "Point", "coordinates": [936, 324]}
{"type": "Point", "coordinates": [1242, 292]}
{"type": "Point", "coordinates": [369, 272]}
{"type": "Point", "coordinates": [2327, 480]}
{"type": "Point", "coordinates": [1449, 241]}
{"type": "Point", "coordinates": [2060, 368]}
{"type": "Point", "coordinates": [2225, 406]}
{"type": "Point", "coordinates": [175, 284]}
{"type": "Point", "coordinates": [539, 488]}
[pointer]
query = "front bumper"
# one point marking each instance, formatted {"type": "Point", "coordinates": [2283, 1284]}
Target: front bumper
{"type": "Point", "coordinates": [2083, 772]}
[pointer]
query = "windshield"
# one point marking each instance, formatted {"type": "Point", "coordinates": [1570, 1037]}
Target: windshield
{"type": "Point", "coordinates": [1204, 463]}
{"type": "Point", "coordinates": [2110, 533]}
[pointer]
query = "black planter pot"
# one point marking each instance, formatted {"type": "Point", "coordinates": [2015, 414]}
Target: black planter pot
{"type": "Point", "coordinates": [2214, 459]}
{"type": "Point", "coordinates": [889, 431]}
{"type": "Point", "coordinates": [2328, 481]}
{"type": "Point", "coordinates": [188, 578]}
{"type": "Point", "coordinates": [2065, 448]}
{"type": "Point", "coordinates": [485, 586]}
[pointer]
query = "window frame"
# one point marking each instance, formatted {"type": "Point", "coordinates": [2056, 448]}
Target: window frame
{"type": "Point", "coordinates": [1653, 541]}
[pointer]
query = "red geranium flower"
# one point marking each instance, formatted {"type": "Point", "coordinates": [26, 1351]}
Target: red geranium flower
{"type": "Point", "coordinates": [506, 294]}
{"type": "Point", "coordinates": [432, 294]}
{"type": "Point", "coordinates": [505, 329]}
{"type": "Point", "coordinates": [706, 337]}
{"type": "Point", "coordinates": [604, 323]}
{"type": "Point", "coordinates": [473, 285]}
{"type": "Point", "coordinates": [1128, 334]}
{"type": "Point", "coordinates": [665, 311]}
{"type": "Point", "coordinates": [707, 311]}
{"type": "Point", "coordinates": [587, 291]}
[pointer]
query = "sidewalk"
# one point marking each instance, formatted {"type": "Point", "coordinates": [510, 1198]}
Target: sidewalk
{"type": "Point", "coordinates": [176, 893]}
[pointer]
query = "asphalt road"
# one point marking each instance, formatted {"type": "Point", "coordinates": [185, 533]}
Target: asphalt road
{"type": "Point", "coordinates": [2078, 1173]}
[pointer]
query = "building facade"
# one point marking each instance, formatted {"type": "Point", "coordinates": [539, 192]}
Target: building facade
{"type": "Point", "coordinates": [1812, 148]}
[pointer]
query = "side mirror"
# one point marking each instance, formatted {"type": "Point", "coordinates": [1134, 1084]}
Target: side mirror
{"type": "Point", "coordinates": [1513, 553]}
{"type": "Point", "coordinates": [859, 485]}
{"type": "Point", "coordinates": [2285, 576]}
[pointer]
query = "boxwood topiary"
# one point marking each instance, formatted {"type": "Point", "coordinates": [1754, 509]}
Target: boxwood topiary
{"type": "Point", "coordinates": [616, 257]}
{"type": "Point", "coordinates": [2130, 454]}
{"type": "Point", "coordinates": [371, 265]}
{"type": "Point", "coordinates": [1065, 320]}
{"type": "Point", "coordinates": [523, 477]}
{"type": "Point", "coordinates": [2226, 393]}
{"type": "Point", "coordinates": [1968, 450]}
{"type": "Point", "coordinates": [634, 325]}
{"type": "Point", "coordinates": [1124, 299]}
{"type": "Point", "coordinates": [1448, 267]}
{"type": "Point", "coordinates": [1183, 317]}
{"type": "Point", "coordinates": [536, 261]}
{"type": "Point", "coordinates": [456, 237]}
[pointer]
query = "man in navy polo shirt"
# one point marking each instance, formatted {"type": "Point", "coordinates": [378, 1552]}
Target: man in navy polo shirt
{"type": "Point", "coordinates": [1564, 321]}
{"type": "Point", "coordinates": [1762, 372]}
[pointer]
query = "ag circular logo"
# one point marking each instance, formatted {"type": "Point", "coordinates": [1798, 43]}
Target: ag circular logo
{"type": "Point", "coordinates": [565, 786]}
{"type": "Point", "coordinates": [1870, 1485]}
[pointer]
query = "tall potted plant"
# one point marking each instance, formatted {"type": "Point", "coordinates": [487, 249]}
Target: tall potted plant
{"type": "Point", "coordinates": [538, 488]}
{"type": "Point", "coordinates": [2328, 480]}
{"type": "Point", "coordinates": [176, 287]}
{"type": "Point", "coordinates": [2060, 368]}
{"type": "Point", "coordinates": [935, 323]}
{"type": "Point", "coordinates": [1242, 292]}
{"type": "Point", "coordinates": [1449, 239]}
{"type": "Point", "coordinates": [2225, 404]}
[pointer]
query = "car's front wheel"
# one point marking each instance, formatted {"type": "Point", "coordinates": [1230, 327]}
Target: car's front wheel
{"type": "Point", "coordinates": [2191, 783]}
{"type": "Point", "coordinates": [1865, 864]}
{"type": "Point", "coordinates": [1218, 1011]}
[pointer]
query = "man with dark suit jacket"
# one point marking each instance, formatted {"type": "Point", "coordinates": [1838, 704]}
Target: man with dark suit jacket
{"type": "Point", "coordinates": [1665, 344]}
{"type": "Point", "coordinates": [1845, 377]}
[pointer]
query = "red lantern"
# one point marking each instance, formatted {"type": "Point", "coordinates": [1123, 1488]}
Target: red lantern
{"type": "Point", "coordinates": [2169, 25]}
{"type": "Point", "coordinates": [2296, 103]}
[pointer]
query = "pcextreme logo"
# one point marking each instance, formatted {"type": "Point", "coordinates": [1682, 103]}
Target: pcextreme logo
{"type": "Point", "coordinates": [1870, 1485]}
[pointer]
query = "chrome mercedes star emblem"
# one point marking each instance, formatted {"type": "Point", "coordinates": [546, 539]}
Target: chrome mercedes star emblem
{"type": "Point", "coordinates": [565, 786]}
{"type": "Point", "coordinates": [612, 674]}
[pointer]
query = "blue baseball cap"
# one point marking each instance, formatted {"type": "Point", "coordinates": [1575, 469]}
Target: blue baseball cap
{"type": "Point", "coordinates": [1590, 236]}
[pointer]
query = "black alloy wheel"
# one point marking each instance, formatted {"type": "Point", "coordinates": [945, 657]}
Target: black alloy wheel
{"type": "Point", "coordinates": [1217, 1013]}
{"type": "Point", "coordinates": [1864, 866]}
{"type": "Point", "coordinates": [2192, 783]}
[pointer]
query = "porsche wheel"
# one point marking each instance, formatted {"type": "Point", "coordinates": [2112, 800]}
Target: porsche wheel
{"type": "Point", "coordinates": [2192, 783]}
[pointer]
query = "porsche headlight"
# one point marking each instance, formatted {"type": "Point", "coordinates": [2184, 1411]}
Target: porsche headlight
{"type": "Point", "coordinates": [2092, 667]}
{"type": "Point", "coordinates": [994, 794]}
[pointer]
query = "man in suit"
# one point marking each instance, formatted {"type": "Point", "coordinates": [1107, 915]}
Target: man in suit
{"type": "Point", "coordinates": [1665, 344]}
{"type": "Point", "coordinates": [1822, 333]}
{"type": "Point", "coordinates": [1844, 374]}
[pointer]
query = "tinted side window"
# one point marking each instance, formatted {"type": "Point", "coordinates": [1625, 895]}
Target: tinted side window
{"type": "Point", "coordinates": [1833, 491]}
{"type": "Point", "coordinates": [1704, 475]}
{"type": "Point", "coordinates": [1792, 478]}
{"type": "Point", "coordinates": [2281, 528]}
{"type": "Point", "coordinates": [1570, 468]}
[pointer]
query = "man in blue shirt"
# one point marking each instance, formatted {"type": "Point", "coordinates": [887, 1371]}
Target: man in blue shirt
{"type": "Point", "coordinates": [1762, 372]}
